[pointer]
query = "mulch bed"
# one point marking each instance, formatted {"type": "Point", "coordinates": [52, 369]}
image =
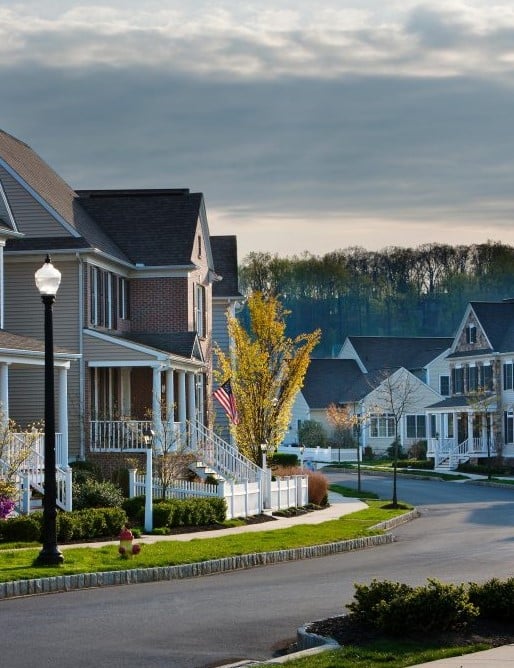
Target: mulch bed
{"type": "Point", "coordinates": [346, 632]}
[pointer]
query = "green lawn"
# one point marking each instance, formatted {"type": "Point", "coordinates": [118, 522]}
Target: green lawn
{"type": "Point", "coordinates": [392, 654]}
{"type": "Point", "coordinates": [18, 564]}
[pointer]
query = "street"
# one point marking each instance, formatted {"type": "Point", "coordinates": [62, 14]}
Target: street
{"type": "Point", "coordinates": [465, 533]}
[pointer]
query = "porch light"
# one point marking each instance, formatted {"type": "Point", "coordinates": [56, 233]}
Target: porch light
{"type": "Point", "coordinates": [264, 450]}
{"type": "Point", "coordinates": [48, 279]}
{"type": "Point", "coordinates": [302, 450]}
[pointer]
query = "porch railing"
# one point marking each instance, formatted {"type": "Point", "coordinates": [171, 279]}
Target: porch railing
{"type": "Point", "coordinates": [220, 455]}
{"type": "Point", "coordinates": [119, 435]}
{"type": "Point", "coordinates": [447, 452]}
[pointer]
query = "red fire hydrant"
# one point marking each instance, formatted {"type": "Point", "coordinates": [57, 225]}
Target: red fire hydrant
{"type": "Point", "coordinates": [127, 547]}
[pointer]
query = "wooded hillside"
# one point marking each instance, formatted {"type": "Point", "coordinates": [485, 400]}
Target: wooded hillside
{"type": "Point", "coordinates": [392, 292]}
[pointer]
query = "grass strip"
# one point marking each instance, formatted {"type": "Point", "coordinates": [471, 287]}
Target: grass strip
{"type": "Point", "coordinates": [19, 564]}
{"type": "Point", "coordinates": [352, 493]}
{"type": "Point", "coordinates": [380, 653]}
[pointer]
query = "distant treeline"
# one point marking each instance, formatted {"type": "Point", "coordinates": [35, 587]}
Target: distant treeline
{"type": "Point", "coordinates": [392, 292]}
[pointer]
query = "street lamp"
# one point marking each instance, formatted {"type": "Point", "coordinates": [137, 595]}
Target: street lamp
{"type": "Point", "coordinates": [302, 450]}
{"type": "Point", "coordinates": [48, 279]}
{"type": "Point", "coordinates": [264, 450]}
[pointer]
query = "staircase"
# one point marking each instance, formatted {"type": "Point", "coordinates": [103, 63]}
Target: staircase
{"type": "Point", "coordinates": [449, 458]}
{"type": "Point", "coordinates": [219, 458]}
{"type": "Point", "coordinates": [29, 480]}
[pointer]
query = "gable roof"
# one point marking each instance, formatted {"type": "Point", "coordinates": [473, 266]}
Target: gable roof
{"type": "Point", "coordinates": [224, 253]}
{"type": "Point", "coordinates": [152, 227]}
{"type": "Point", "coordinates": [335, 381]}
{"type": "Point", "coordinates": [26, 166]}
{"type": "Point", "coordinates": [393, 352]}
{"type": "Point", "coordinates": [497, 321]}
{"type": "Point", "coordinates": [183, 344]}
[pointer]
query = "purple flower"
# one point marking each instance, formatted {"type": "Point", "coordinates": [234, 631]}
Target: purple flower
{"type": "Point", "coordinates": [6, 507]}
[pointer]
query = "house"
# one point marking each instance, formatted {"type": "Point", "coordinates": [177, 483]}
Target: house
{"type": "Point", "coordinates": [368, 374]}
{"type": "Point", "coordinates": [475, 420]}
{"type": "Point", "coordinates": [134, 305]}
{"type": "Point", "coordinates": [226, 299]}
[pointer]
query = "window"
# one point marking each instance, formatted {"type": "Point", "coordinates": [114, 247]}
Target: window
{"type": "Point", "coordinates": [416, 426]}
{"type": "Point", "coordinates": [458, 380]}
{"type": "Point", "coordinates": [123, 298]}
{"type": "Point", "coordinates": [471, 334]}
{"type": "Point", "coordinates": [508, 376]}
{"type": "Point", "coordinates": [444, 386]}
{"type": "Point", "coordinates": [509, 426]}
{"type": "Point", "coordinates": [108, 298]}
{"type": "Point", "coordinates": [382, 426]}
{"type": "Point", "coordinates": [486, 377]}
{"type": "Point", "coordinates": [472, 378]}
{"type": "Point", "coordinates": [199, 246]}
{"type": "Point", "coordinates": [200, 312]}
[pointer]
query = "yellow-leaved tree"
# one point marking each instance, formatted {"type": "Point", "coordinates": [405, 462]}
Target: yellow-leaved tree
{"type": "Point", "coordinates": [266, 369]}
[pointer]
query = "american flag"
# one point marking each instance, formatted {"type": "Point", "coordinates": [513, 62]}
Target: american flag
{"type": "Point", "coordinates": [226, 398]}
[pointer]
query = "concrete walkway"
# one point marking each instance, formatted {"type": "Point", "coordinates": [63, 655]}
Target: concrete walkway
{"type": "Point", "coordinates": [339, 506]}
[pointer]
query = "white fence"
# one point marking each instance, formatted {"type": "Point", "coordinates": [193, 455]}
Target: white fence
{"type": "Point", "coordinates": [320, 455]}
{"type": "Point", "coordinates": [243, 499]}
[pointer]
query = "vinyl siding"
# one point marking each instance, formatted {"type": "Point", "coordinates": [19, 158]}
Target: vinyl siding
{"type": "Point", "coordinates": [31, 217]}
{"type": "Point", "coordinates": [24, 314]}
{"type": "Point", "coordinates": [105, 351]}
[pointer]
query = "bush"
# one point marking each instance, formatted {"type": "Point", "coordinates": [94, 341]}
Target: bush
{"type": "Point", "coordinates": [425, 464]}
{"type": "Point", "coordinates": [134, 507]}
{"type": "Point", "coordinates": [418, 450]}
{"type": "Point", "coordinates": [312, 434]}
{"type": "Point", "coordinates": [400, 452]}
{"type": "Point", "coordinates": [95, 494]}
{"type": "Point", "coordinates": [396, 609]}
{"type": "Point", "coordinates": [24, 528]}
{"type": "Point", "coordinates": [84, 471]}
{"type": "Point", "coordinates": [284, 459]}
{"type": "Point", "coordinates": [189, 512]}
{"type": "Point", "coordinates": [318, 488]}
{"type": "Point", "coordinates": [367, 454]}
{"type": "Point", "coordinates": [494, 599]}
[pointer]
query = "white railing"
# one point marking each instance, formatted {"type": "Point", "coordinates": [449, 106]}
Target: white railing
{"type": "Point", "coordinates": [321, 455]}
{"type": "Point", "coordinates": [119, 435]}
{"type": "Point", "coordinates": [243, 499]}
{"type": "Point", "coordinates": [224, 458]}
{"type": "Point", "coordinates": [448, 453]}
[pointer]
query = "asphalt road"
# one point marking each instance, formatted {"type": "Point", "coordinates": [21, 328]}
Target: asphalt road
{"type": "Point", "coordinates": [465, 533]}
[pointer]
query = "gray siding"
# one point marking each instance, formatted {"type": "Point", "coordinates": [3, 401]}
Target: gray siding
{"type": "Point", "coordinates": [104, 351]}
{"type": "Point", "coordinates": [31, 217]}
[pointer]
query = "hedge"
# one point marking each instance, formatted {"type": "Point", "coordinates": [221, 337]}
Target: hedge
{"type": "Point", "coordinates": [189, 512]}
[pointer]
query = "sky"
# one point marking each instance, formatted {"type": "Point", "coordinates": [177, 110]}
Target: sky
{"type": "Point", "coordinates": [307, 126]}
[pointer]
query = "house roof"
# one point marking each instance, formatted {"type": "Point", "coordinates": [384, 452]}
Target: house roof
{"type": "Point", "coordinates": [224, 253]}
{"type": "Point", "coordinates": [335, 381]}
{"type": "Point", "coordinates": [497, 321]}
{"type": "Point", "coordinates": [393, 352]}
{"type": "Point", "coordinates": [11, 341]}
{"type": "Point", "coordinates": [152, 227]}
{"type": "Point", "coordinates": [182, 344]}
{"type": "Point", "coordinates": [50, 187]}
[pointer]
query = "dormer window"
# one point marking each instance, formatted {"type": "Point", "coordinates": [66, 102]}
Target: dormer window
{"type": "Point", "coordinates": [471, 334]}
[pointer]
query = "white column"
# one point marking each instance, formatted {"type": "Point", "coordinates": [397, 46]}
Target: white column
{"type": "Point", "coordinates": [126, 396]}
{"type": "Point", "coordinates": [4, 391]}
{"type": "Point", "coordinates": [62, 414]}
{"type": "Point", "coordinates": [170, 396]}
{"type": "Point", "coordinates": [156, 407]}
{"type": "Point", "coordinates": [191, 396]}
{"type": "Point", "coordinates": [470, 432]}
{"type": "Point", "coordinates": [182, 397]}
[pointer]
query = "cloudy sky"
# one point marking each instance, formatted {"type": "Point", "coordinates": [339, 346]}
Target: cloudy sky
{"type": "Point", "coordinates": [307, 126]}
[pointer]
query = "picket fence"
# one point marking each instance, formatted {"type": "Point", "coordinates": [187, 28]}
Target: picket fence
{"type": "Point", "coordinates": [243, 499]}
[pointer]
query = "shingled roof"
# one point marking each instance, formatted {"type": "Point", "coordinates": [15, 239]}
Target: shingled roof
{"type": "Point", "coordinates": [335, 381]}
{"type": "Point", "coordinates": [176, 343]}
{"type": "Point", "coordinates": [152, 227]}
{"type": "Point", "coordinates": [497, 321]}
{"type": "Point", "coordinates": [39, 176]}
{"type": "Point", "coordinates": [224, 253]}
{"type": "Point", "coordinates": [412, 353]}
{"type": "Point", "coordinates": [17, 342]}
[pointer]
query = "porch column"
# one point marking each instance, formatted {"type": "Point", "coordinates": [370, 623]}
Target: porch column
{"type": "Point", "coordinates": [182, 397]}
{"type": "Point", "coordinates": [62, 415]}
{"type": "Point", "coordinates": [4, 391]}
{"type": "Point", "coordinates": [156, 407]}
{"type": "Point", "coordinates": [126, 398]}
{"type": "Point", "coordinates": [191, 396]}
{"type": "Point", "coordinates": [470, 432]}
{"type": "Point", "coordinates": [170, 396]}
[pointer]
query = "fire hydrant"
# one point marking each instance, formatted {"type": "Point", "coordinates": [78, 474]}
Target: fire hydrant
{"type": "Point", "coordinates": [127, 547]}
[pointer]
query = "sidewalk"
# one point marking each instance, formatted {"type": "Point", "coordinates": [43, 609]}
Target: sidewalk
{"type": "Point", "coordinates": [499, 657]}
{"type": "Point", "coordinates": [339, 506]}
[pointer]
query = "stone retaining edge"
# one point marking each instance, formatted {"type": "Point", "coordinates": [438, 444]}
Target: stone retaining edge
{"type": "Point", "coordinates": [63, 583]}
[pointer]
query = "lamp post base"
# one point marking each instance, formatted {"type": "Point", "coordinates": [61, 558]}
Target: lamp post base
{"type": "Point", "coordinates": [50, 555]}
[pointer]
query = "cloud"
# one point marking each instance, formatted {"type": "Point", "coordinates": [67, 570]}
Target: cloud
{"type": "Point", "coordinates": [261, 41]}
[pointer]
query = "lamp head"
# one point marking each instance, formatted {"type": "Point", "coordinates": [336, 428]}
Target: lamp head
{"type": "Point", "coordinates": [48, 279]}
{"type": "Point", "coordinates": [264, 447]}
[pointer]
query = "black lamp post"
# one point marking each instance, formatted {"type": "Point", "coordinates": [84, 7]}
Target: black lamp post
{"type": "Point", "coordinates": [48, 279]}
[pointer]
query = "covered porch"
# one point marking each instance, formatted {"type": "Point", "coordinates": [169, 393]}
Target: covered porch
{"type": "Point", "coordinates": [460, 429]}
